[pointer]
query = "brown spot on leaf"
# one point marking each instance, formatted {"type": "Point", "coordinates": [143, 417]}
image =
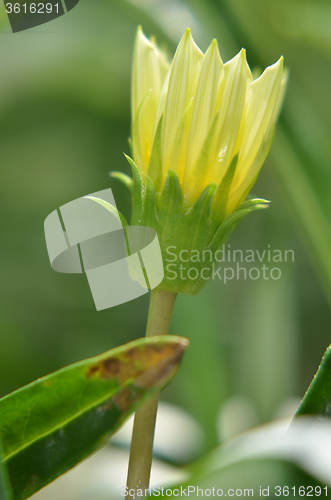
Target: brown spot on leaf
{"type": "Point", "coordinates": [159, 373]}
{"type": "Point", "coordinates": [126, 398]}
{"type": "Point", "coordinates": [147, 365]}
{"type": "Point", "coordinates": [111, 366]}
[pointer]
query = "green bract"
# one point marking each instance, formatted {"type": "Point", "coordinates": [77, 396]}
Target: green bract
{"type": "Point", "coordinates": [198, 231]}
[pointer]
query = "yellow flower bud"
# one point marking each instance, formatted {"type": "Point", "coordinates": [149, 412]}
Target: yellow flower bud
{"type": "Point", "coordinates": [201, 130]}
{"type": "Point", "coordinates": [210, 112]}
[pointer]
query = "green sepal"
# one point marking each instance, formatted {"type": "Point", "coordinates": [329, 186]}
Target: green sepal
{"type": "Point", "coordinates": [171, 198]}
{"type": "Point", "coordinates": [155, 163]}
{"type": "Point", "coordinates": [202, 205]}
{"type": "Point", "coordinates": [254, 204]}
{"type": "Point", "coordinates": [124, 178]}
{"type": "Point", "coordinates": [226, 228]}
{"type": "Point", "coordinates": [108, 206]}
{"type": "Point", "coordinates": [137, 192]}
{"type": "Point", "coordinates": [221, 197]}
{"type": "Point", "coordinates": [149, 217]}
{"type": "Point", "coordinates": [198, 217]}
{"type": "Point", "coordinates": [190, 230]}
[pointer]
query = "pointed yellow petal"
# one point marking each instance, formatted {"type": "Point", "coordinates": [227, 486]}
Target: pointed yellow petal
{"type": "Point", "coordinates": [230, 101]}
{"type": "Point", "coordinates": [281, 95]}
{"type": "Point", "coordinates": [203, 105]}
{"type": "Point", "coordinates": [184, 74]}
{"type": "Point", "coordinates": [259, 113]}
{"type": "Point", "coordinates": [243, 183]}
{"type": "Point", "coordinates": [264, 100]}
{"type": "Point", "coordinates": [163, 64]}
{"type": "Point", "coordinates": [161, 103]}
{"type": "Point", "coordinates": [147, 73]}
{"type": "Point", "coordinates": [177, 156]}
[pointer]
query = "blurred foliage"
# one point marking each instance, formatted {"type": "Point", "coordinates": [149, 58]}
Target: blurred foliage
{"type": "Point", "coordinates": [64, 121]}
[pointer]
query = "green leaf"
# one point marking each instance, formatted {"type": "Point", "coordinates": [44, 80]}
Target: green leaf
{"type": "Point", "coordinates": [51, 425]}
{"type": "Point", "coordinates": [317, 400]}
{"type": "Point", "coordinates": [306, 201]}
{"type": "Point", "coordinates": [5, 489]}
{"type": "Point", "coordinates": [268, 457]}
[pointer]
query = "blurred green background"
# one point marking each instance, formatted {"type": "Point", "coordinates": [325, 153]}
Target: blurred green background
{"type": "Point", "coordinates": [65, 119]}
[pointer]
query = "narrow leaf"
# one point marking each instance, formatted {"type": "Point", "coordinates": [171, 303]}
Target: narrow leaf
{"type": "Point", "coordinates": [49, 426]}
{"type": "Point", "coordinates": [5, 488]}
{"type": "Point", "coordinates": [317, 400]}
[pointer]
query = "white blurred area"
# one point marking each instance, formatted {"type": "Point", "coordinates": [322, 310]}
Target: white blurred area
{"type": "Point", "coordinates": [305, 442]}
{"type": "Point", "coordinates": [236, 415]}
{"type": "Point", "coordinates": [239, 414]}
{"type": "Point", "coordinates": [102, 476]}
{"type": "Point", "coordinates": [178, 438]}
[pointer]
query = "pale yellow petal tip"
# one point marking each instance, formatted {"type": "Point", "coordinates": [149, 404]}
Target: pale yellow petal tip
{"type": "Point", "coordinates": [238, 58]}
{"type": "Point", "coordinates": [140, 36]}
{"type": "Point", "coordinates": [278, 65]}
{"type": "Point", "coordinates": [214, 44]}
{"type": "Point", "coordinates": [187, 36]}
{"type": "Point", "coordinates": [214, 48]}
{"type": "Point", "coordinates": [143, 40]}
{"type": "Point", "coordinates": [273, 71]}
{"type": "Point", "coordinates": [140, 33]}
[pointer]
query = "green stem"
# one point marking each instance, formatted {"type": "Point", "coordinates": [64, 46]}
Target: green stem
{"type": "Point", "coordinates": [141, 451]}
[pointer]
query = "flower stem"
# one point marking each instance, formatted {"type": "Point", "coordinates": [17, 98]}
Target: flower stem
{"type": "Point", "coordinates": [141, 451]}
